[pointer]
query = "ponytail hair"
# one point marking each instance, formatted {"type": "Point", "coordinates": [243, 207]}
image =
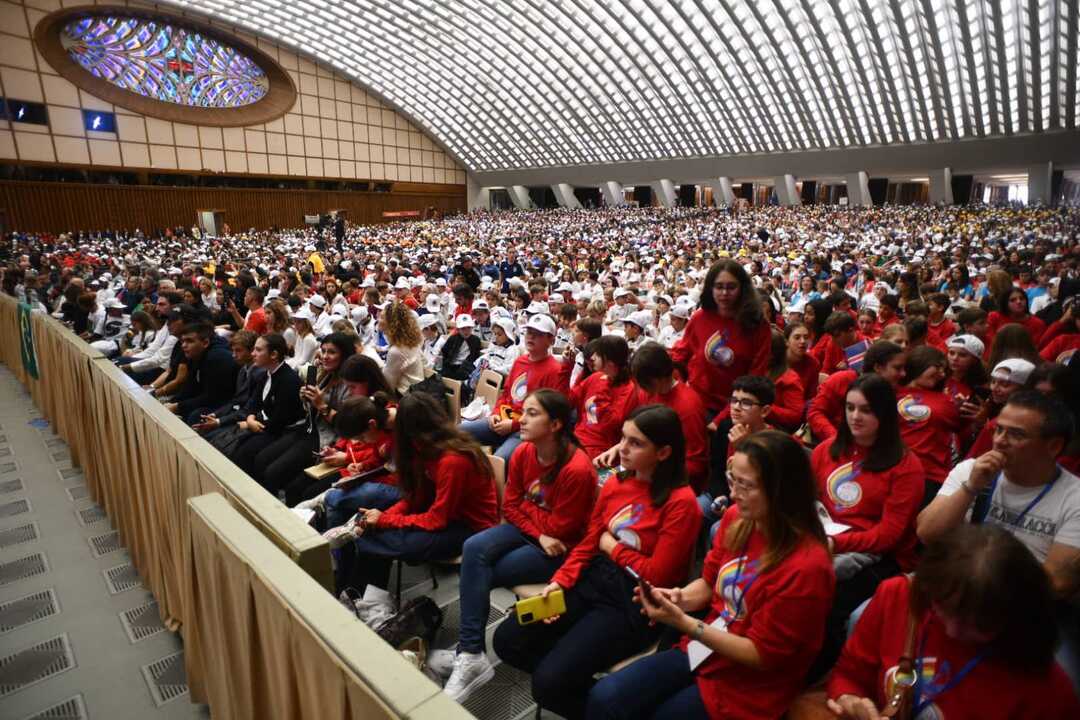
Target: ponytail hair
{"type": "Point", "coordinates": [558, 408]}
{"type": "Point", "coordinates": [357, 413]}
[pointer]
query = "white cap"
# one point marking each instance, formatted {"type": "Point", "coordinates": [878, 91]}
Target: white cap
{"type": "Point", "coordinates": [971, 344]}
{"type": "Point", "coordinates": [432, 303]}
{"type": "Point", "coordinates": [1014, 370]}
{"type": "Point", "coordinates": [441, 281]}
{"type": "Point", "coordinates": [113, 303]}
{"type": "Point", "coordinates": [481, 305]}
{"type": "Point", "coordinates": [318, 301]}
{"type": "Point", "coordinates": [303, 314]}
{"type": "Point", "coordinates": [464, 321]}
{"type": "Point", "coordinates": [507, 326]}
{"type": "Point", "coordinates": [681, 311]}
{"type": "Point", "coordinates": [641, 318]}
{"type": "Point", "coordinates": [537, 308]}
{"type": "Point", "coordinates": [402, 283]}
{"type": "Point", "coordinates": [427, 321]}
{"type": "Point", "coordinates": [360, 314]}
{"type": "Point", "coordinates": [541, 323]}
{"type": "Point", "coordinates": [619, 292]}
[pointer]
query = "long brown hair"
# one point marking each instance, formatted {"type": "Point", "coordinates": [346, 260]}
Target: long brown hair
{"type": "Point", "coordinates": [790, 492]}
{"type": "Point", "coordinates": [422, 433]}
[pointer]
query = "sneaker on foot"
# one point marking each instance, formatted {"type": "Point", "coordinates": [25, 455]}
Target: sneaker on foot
{"type": "Point", "coordinates": [471, 671]}
{"type": "Point", "coordinates": [441, 662]}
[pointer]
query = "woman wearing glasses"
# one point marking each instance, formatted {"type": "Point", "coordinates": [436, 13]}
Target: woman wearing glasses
{"type": "Point", "coordinates": [871, 485]}
{"type": "Point", "coordinates": [767, 586]}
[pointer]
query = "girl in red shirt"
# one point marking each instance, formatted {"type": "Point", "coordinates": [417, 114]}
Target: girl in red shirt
{"type": "Point", "coordinates": [1013, 308]}
{"type": "Point", "coordinates": [800, 360]}
{"type": "Point", "coordinates": [648, 523]}
{"type": "Point", "coordinates": [605, 398]}
{"type": "Point", "coordinates": [550, 488]}
{"type": "Point", "coordinates": [789, 407]}
{"type": "Point", "coordinates": [448, 494]}
{"type": "Point", "coordinates": [1062, 339]}
{"type": "Point", "coordinates": [929, 418]}
{"type": "Point", "coordinates": [869, 481]}
{"type": "Point", "coordinates": [981, 644]}
{"type": "Point", "coordinates": [766, 587]}
{"type": "Point", "coordinates": [367, 443]}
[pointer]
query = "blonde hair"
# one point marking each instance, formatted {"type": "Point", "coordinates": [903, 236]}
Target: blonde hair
{"type": "Point", "coordinates": [402, 330]}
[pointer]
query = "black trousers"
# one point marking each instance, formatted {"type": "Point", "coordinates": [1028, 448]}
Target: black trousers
{"type": "Point", "coordinates": [278, 464]}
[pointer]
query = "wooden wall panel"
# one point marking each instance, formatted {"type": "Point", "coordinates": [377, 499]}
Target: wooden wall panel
{"type": "Point", "coordinates": [61, 207]}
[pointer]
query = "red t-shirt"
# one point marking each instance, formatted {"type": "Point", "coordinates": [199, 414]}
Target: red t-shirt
{"type": "Point", "coordinates": [451, 490]}
{"type": "Point", "coordinates": [992, 689]}
{"type": "Point", "coordinates": [826, 410]}
{"type": "Point", "coordinates": [656, 542]}
{"type": "Point", "coordinates": [256, 321]}
{"type": "Point", "coordinates": [717, 350]}
{"type": "Point", "coordinates": [879, 505]}
{"type": "Point", "coordinates": [830, 355]}
{"type": "Point", "coordinates": [601, 411]}
{"type": "Point", "coordinates": [559, 509]}
{"type": "Point", "coordinates": [781, 610]}
{"type": "Point", "coordinates": [526, 375]}
{"type": "Point", "coordinates": [809, 370]}
{"type": "Point", "coordinates": [691, 411]}
{"type": "Point", "coordinates": [928, 421]}
{"type": "Point", "coordinates": [369, 455]}
{"type": "Point", "coordinates": [1031, 323]}
{"type": "Point", "coordinates": [789, 406]}
{"type": "Point", "coordinates": [944, 329]}
{"type": "Point", "coordinates": [1061, 348]}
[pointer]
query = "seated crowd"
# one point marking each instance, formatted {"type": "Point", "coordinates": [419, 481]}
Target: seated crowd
{"type": "Point", "coordinates": [803, 463]}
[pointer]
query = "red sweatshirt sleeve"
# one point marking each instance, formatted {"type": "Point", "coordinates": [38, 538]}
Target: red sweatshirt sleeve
{"type": "Point", "coordinates": [518, 511]}
{"type": "Point", "coordinates": [856, 671]}
{"type": "Point", "coordinates": [573, 501]}
{"type": "Point", "coordinates": [684, 348]}
{"type": "Point", "coordinates": [898, 515]}
{"type": "Point", "coordinates": [762, 350]}
{"type": "Point", "coordinates": [450, 475]}
{"type": "Point", "coordinates": [668, 563]}
{"type": "Point", "coordinates": [1056, 328]}
{"type": "Point", "coordinates": [567, 575]}
{"type": "Point", "coordinates": [787, 409]}
{"type": "Point", "coordinates": [827, 406]}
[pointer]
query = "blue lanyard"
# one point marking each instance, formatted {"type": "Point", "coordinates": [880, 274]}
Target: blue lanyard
{"type": "Point", "coordinates": [934, 691]}
{"type": "Point", "coordinates": [1031, 505]}
{"type": "Point", "coordinates": [735, 584]}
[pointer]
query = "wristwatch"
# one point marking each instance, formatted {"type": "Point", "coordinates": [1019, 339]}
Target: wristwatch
{"type": "Point", "coordinates": [699, 631]}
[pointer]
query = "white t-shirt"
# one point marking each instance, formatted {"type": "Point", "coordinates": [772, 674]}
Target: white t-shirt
{"type": "Point", "coordinates": [1054, 519]}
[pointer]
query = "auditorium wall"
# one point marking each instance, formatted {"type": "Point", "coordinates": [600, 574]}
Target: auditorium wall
{"type": "Point", "coordinates": [335, 130]}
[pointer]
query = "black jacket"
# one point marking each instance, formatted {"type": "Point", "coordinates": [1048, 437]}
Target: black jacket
{"type": "Point", "coordinates": [282, 406]}
{"type": "Point", "coordinates": [248, 378]}
{"type": "Point", "coordinates": [452, 347]}
{"type": "Point", "coordinates": [211, 379]}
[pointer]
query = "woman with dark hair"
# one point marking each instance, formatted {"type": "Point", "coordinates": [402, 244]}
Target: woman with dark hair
{"type": "Point", "coordinates": [826, 410]}
{"type": "Point", "coordinates": [907, 288]}
{"type": "Point", "coordinates": [972, 629]}
{"type": "Point", "coordinates": [789, 407]}
{"type": "Point", "coordinates": [929, 419]}
{"type": "Point", "coordinates": [766, 587]}
{"type": "Point", "coordinates": [273, 410]}
{"type": "Point", "coordinates": [1012, 307]}
{"type": "Point", "coordinates": [604, 399]}
{"type": "Point", "coordinates": [958, 286]}
{"type": "Point", "coordinates": [550, 488]}
{"type": "Point", "coordinates": [800, 360]}
{"type": "Point", "coordinates": [806, 291]}
{"type": "Point", "coordinates": [1012, 341]}
{"type": "Point", "coordinates": [645, 520]}
{"type": "Point", "coordinates": [142, 331]}
{"type": "Point", "coordinates": [363, 377]}
{"type": "Point", "coordinates": [366, 443]}
{"type": "Point", "coordinates": [816, 318]}
{"type": "Point", "coordinates": [870, 485]}
{"type": "Point", "coordinates": [448, 494]}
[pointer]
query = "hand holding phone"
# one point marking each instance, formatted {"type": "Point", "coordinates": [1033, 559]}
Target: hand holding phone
{"type": "Point", "coordinates": [540, 607]}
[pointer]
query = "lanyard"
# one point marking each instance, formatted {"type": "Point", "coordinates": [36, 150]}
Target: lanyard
{"type": "Point", "coordinates": [745, 590]}
{"type": "Point", "coordinates": [932, 691]}
{"type": "Point", "coordinates": [1031, 505]}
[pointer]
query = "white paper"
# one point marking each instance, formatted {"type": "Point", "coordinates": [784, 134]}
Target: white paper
{"type": "Point", "coordinates": [831, 527]}
{"type": "Point", "coordinates": [304, 513]}
{"type": "Point", "coordinates": [697, 651]}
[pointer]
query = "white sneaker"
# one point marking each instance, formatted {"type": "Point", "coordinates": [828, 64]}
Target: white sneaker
{"type": "Point", "coordinates": [471, 671]}
{"type": "Point", "coordinates": [441, 662]}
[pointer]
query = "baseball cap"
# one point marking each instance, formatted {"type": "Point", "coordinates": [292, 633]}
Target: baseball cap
{"type": "Point", "coordinates": [481, 305]}
{"type": "Point", "coordinates": [317, 300]}
{"type": "Point", "coordinates": [431, 302]}
{"type": "Point", "coordinates": [507, 326]}
{"type": "Point", "coordinates": [970, 343]}
{"type": "Point", "coordinates": [681, 311]}
{"type": "Point", "coordinates": [641, 318]}
{"type": "Point", "coordinates": [402, 283]}
{"type": "Point", "coordinates": [427, 321]}
{"type": "Point", "coordinates": [303, 314]}
{"type": "Point", "coordinates": [1014, 370]}
{"type": "Point", "coordinates": [464, 321]}
{"type": "Point", "coordinates": [541, 323]}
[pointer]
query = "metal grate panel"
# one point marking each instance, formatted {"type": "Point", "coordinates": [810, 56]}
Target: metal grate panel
{"type": "Point", "coordinates": [10, 486]}
{"type": "Point", "coordinates": [78, 492]}
{"type": "Point", "coordinates": [35, 664]}
{"type": "Point", "coordinates": [5, 452]}
{"type": "Point", "coordinates": [166, 678]}
{"type": "Point", "coordinates": [3, 439]}
{"type": "Point", "coordinates": [8, 467]}
{"type": "Point", "coordinates": [55, 443]}
{"type": "Point", "coordinates": [142, 622]}
{"type": "Point", "coordinates": [91, 515]}
{"type": "Point", "coordinates": [71, 709]}
{"type": "Point", "coordinates": [68, 473]}
{"type": "Point", "coordinates": [16, 507]}
{"type": "Point", "coordinates": [18, 535]}
{"type": "Point", "coordinates": [506, 697]}
{"type": "Point", "coordinates": [23, 568]}
{"type": "Point", "coordinates": [26, 610]}
{"type": "Point", "coordinates": [104, 544]}
{"type": "Point", "coordinates": [448, 633]}
{"type": "Point", "coordinates": [121, 578]}
{"type": "Point", "coordinates": [61, 456]}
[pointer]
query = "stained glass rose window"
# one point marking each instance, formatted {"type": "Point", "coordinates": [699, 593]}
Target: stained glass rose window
{"type": "Point", "coordinates": [162, 61]}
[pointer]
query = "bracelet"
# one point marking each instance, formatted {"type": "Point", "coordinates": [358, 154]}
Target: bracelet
{"type": "Point", "coordinates": [699, 631]}
{"type": "Point", "coordinates": [970, 490]}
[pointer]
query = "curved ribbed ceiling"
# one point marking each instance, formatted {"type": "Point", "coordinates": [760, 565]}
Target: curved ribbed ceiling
{"type": "Point", "coordinates": [510, 84]}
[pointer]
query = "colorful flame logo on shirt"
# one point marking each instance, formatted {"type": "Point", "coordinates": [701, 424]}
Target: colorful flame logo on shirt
{"type": "Point", "coordinates": [536, 492]}
{"type": "Point", "coordinates": [730, 586]}
{"type": "Point", "coordinates": [622, 521]}
{"type": "Point", "coordinates": [912, 410]}
{"type": "Point", "coordinates": [590, 411]}
{"type": "Point", "coordinates": [717, 351]}
{"type": "Point", "coordinates": [929, 671]}
{"type": "Point", "coordinates": [1065, 357]}
{"type": "Point", "coordinates": [519, 389]}
{"type": "Point", "coordinates": [843, 490]}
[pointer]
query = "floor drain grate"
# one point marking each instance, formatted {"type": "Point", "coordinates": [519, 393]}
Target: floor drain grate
{"type": "Point", "coordinates": [448, 633]}
{"type": "Point", "coordinates": [142, 622]}
{"type": "Point", "coordinates": [8, 467]}
{"type": "Point", "coordinates": [68, 473]}
{"type": "Point", "coordinates": [23, 568]}
{"type": "Point", "coordinates": [61, 456]}
{"type": "Point", "coordinates": [3, 438]}
{"type": "Point", "coordinates": [105, 544]}
{"type": "Point", "coordinates": [166, 678]}
{"type": "Point", "coordinates": [91, 515]}
{"type": "Point", "coordinates": [55, 443]}
{"type": "Point", "coordinates": [78, 492]}
{"type": "Point", "coordinates": [5, 452]}
{"type": "Point", "coordinates": [16, 507]}
{"type": "Point", "coordinates": [71, 709]}
{"type": "Point", "coordinates": [507, 696]}
{"type": "Point", "coordinates": [26, 610]}
{"type": "Point", "coordinates": [18, 535]}
{"type": "Point", "coordinates": [121, 578]}
{"type": "Point", "coordinates": [10, 486]}
{"type": "Point", "coordinates": [34, 664]}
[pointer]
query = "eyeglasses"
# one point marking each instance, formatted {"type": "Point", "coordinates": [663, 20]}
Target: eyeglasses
{"type": "Point", "coordinates": [726, 287]}
{"type": "Point", "coordinates": [743, 402]}
{"type": "Point", "coordinates": [741, 485]}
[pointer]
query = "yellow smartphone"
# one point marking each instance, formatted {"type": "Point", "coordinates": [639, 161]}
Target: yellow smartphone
{"type": "Point", "coordinates": [538, 607]}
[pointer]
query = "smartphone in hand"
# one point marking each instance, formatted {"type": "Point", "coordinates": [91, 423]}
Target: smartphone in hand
{"type": "Point", "coordinates": [644, 585]}
{"type": "Point", "coordinates": [538, 607]}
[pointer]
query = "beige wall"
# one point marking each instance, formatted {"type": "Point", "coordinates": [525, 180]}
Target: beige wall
{"type": "Point", "coordinates": [335, 129]}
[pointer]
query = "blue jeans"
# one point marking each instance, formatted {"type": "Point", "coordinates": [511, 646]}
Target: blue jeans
{"type": "Point", "coordinates": [501, 556]}
{"type": "Point", "coordinates": [659, 686]}
{"type": "Point", "coordinates": [710, 521]}
{"type": "Point", "coordinates": [504, 445]}
{"type": "Point", "coordinates": [343, 504]}
{"type": "Point", "coordinates": [373, 553]}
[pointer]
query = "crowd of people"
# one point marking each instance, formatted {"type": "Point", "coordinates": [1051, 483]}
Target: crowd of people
{"type": "Point", "coordinates": [811, 461]}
